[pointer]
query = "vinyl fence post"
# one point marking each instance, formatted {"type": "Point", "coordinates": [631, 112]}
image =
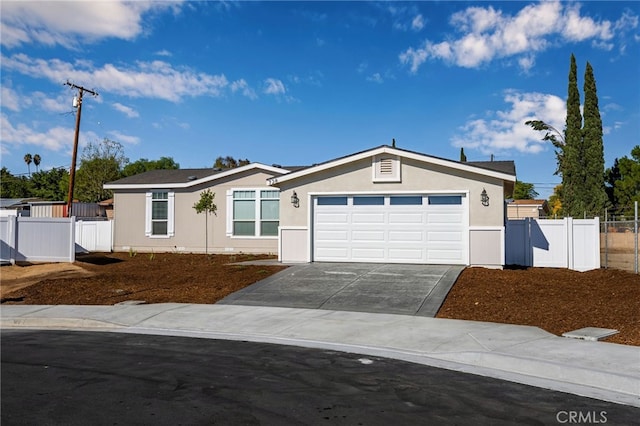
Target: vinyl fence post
{"type": "Point", "coordinates": [568, 223]}
{"type": "Point", "coordinates": [606, 240]}
{"type": "Point", "coordinates": [635, 231]}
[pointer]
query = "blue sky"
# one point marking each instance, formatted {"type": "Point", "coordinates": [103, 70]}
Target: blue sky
{"type": "Point", "coordinates": [297, 83]}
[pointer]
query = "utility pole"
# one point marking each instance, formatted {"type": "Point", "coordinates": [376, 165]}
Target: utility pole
{"type": "Point", "coordinates": [72, 171]}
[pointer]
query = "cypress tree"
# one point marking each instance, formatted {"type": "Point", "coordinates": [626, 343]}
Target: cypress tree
{"type": "Point", "coordinates": [594, 189]}
{"type": "Point", "coordinates": [571, 161]}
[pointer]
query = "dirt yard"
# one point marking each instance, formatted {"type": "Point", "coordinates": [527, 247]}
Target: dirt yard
{"type": "Point", "coordinates": [557, 300]}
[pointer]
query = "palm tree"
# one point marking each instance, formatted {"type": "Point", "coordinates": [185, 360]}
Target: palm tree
{"type": "Point", "coordinates": [28, 159]}
{"type": "Point", "coordinates": [36, 160]}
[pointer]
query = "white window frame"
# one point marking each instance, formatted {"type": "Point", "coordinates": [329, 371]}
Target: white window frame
{"type": "Point", "coordinates": [148, 231]}
{"type": "Point", "coordinates": [257, 214]}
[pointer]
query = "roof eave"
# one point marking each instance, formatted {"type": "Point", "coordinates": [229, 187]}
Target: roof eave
{"type": "Point", "coordinates": [176, 185]}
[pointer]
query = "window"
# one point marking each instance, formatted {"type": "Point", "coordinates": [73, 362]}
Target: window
{"type": "Point", "coordinates": [332, 201]}
{"type": "Point", "coordinates": [269, 212]}
{"type": "Point", "coordinates": [445, 199]}
{"type": "Point", "coordinates": [256, 213]}
{"type": "Point", "coordinates": [159, 214]}
{"type": "Point", "coordinates": [405, 200]}
{"type": "Point", "coordinates": [368, 201]}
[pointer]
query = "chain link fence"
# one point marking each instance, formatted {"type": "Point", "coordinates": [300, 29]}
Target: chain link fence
{"type": "Point", "coordinates": [619, 244]}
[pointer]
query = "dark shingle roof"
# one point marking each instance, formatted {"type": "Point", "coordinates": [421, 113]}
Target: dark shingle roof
{"type": "Point", "coordinates": [166, 176]}
{"type": "Point", "coordinates": [508, 167]}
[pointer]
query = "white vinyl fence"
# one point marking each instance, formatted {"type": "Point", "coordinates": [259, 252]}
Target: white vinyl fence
{"type": "Point", "coordinates": [566, 243]}
{"type": "Point", "coordinates": [29, 239]}
{"type": "Point", "coordinates": [37, 239]}
{"type": "Point", "coordinates": [94, 235]}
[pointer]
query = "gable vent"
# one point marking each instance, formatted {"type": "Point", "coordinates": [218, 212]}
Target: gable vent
{"type": "Point", "coordinates": [386, 166]}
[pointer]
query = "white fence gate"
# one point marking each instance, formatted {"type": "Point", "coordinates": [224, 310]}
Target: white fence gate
{"type": "Point", "coordinates": [567, 243]}
{"type": "Point", "coordinates": [94, 235]}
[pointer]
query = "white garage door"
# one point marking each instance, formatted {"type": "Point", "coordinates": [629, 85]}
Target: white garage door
{"type": "Point", "coordinates": [390, 228]}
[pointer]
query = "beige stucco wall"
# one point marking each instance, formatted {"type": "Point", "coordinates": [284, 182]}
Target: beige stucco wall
{"type": "Point", "coordinates": [129, 212]}
{"type": "Point", "coordinates": [486, 247]}
{"type": "Point", "coordinates": [416, 176]}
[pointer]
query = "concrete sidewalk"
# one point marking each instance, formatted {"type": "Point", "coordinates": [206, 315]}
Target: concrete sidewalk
{"type": "Point", "coordinates": [520, 354]}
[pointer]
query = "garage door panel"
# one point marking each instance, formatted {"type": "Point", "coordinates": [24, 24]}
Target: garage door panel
{"type": "Point", "coordinates": [406, 254]}
{"type": "Point", "coordinates": [405, 218]}
{"type": "Point", "coordinates": [334, 253]}
{"type": "Point", "coordinates": [369, 236]}
{"type": "Point", "coordinates": [367, 218]}
{"type": "Point", "coordinates": [402, 236]}
{"type": "Point", "coordinates": [440, 255]}
{"type": "Point", "coordinates": [444, 218]}
{"type": "Point", "coordinates": [333, 218]}
{"type": "Point", "coordinates": [332, 235]}
{"type": "Point", "coordinates": [439, 236]}
{"type": "Point", "coordinates": [367, 254]}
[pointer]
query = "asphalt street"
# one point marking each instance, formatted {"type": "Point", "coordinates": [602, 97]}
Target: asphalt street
{"type": "Point", "coordinates": [80, 378]}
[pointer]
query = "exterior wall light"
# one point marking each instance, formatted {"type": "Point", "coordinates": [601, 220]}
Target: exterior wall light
{"type": "Point", "coordinates": [484, 197]}
{"type": "Point", "coordinates": [295, 200]}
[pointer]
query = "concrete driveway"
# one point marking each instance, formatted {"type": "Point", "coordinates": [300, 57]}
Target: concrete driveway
{"type": "Point", "coordinates": [359, 287]}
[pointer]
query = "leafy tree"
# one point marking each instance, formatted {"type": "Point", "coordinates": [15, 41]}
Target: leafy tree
{"type": "Point", "coordinates": [100, 163]}
{"type": "Point", "coordinates": [552, 135]}
{"type": "Point", "coordinates": [524, 191]}
{"type": "Point", "coordinates": [144, 165]}
{"type": "Point", "coordinates": [36, 161]}
{"type": "Point", "coordinates": [624, 179]}
{"type": "Point", "coordinates": [205, 205]}
{"type": "Point", "coordinates": [555, 201]}
{"type": "Point", "coordinates": [13, 186]}
{"type": "Point", "coordinates": [28, 158]}
{"type": "Point", "coordinates": [463, 158]}
{"type": "Point", "coordinates": [229, 162]}
{"type": "Point", "coordinates": [50, 185]}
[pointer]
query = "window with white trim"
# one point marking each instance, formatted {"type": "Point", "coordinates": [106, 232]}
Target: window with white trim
{"type": "Point", "coordinates": [159, 214]}
{"type": "Point", "coordinates": [255, 213]}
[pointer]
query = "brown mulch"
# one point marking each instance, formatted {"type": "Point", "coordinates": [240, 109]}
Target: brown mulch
{"type": "Point", "coordinates": [557, 300]}
{"type": "Point", "coordinates": [149, 277]}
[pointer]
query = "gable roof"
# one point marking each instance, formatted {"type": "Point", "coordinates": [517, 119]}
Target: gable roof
{"type": "Point", "coordinates": [505, 170]}
{"type": "Point", "coordinates": [184, 178]}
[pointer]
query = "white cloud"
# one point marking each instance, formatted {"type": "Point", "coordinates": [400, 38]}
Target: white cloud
{"type": "Point", "coordinates": [155, 79]}
{"type": "Point", "coordinates": [10, 99]}
{"type": "Point", "coordinates": [242, 86]}
{"type": "Point", "coordinates": [55, 139]}
{"type": "Point", "coordinates": [164, 52]}
{"type": "Point", "coordinates": [69, 22]}
{"type": "Point", "coordinates": [486, 34]}
{"type": "Point", "coordinates": [128, 111]}
{"type": "Point", "coordinates": [505, 130]}
{"type": "Point", "coordinates": [122, 138]}
{"type": "Point", "coordinates": [274, 86]}
{"type": "Point", "coordinates": [418, 23]}
{"type": "Point", "coordinates": [375, 78]}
